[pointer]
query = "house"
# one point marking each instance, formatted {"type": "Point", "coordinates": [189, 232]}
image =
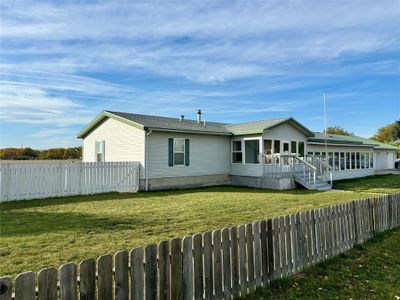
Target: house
{"type": "Point", "coordinates": [276, 153]}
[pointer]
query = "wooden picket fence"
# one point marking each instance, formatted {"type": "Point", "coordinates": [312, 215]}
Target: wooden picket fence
{"type": "Point", "coordinates": [214, 265]}
{"type": "Point", "coordinates": [42, 180]}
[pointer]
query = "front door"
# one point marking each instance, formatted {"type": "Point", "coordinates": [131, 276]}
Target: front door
{"type": "Point", "coordinates": [285, 148]}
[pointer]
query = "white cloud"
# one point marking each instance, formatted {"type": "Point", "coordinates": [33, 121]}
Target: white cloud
{"type": "Point", "coordinates": [201, 41]}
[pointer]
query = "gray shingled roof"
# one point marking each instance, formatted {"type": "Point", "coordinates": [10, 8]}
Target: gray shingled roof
{"type": "Point", "coordinates": [187, 125]}
{"type": "Point", "coordinates": [255, 126]}
{"type": "Point", "coordinates": [164, 123]}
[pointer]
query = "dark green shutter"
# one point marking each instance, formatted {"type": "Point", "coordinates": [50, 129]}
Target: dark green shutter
{"type": "Point", "coordinates": [187, 151]}
{"type": "Point", "coordinates": [170, 152]}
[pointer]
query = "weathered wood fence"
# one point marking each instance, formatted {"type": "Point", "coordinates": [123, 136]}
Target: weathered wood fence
{"type": "Point", "coordinates": [42, 180]}
{"type": "Point", "coordinates": [214, 265]}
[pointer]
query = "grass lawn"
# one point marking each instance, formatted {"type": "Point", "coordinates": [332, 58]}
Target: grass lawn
{"type": "Point", "coordinates": [373, 184]}
{"type": "Point", "coordinates": [368, 271]}
{"type": "Point", "coordinates": [40, 233]}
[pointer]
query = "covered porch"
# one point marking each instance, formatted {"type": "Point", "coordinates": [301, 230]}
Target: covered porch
{"type": "Point", "coordinates": [279, 162]}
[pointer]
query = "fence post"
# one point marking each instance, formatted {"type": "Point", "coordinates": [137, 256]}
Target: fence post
{"type": "Point", "coordinates": [5, 288]}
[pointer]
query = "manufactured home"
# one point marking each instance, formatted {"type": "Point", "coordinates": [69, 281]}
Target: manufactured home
{"type": "Point", "coordinates": [276, 153]}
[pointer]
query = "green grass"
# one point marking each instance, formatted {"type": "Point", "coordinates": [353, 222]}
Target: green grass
{"type": "Point", "coordinates": [49, 232]}
{"type": "Point", "coordinates": [372, 184]}
{"type": "Point", "coordinates": [368, 271]}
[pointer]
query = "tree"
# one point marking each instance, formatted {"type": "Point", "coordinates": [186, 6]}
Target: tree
{"type": "Point", "coordinates": [10, 153]}
{"type": "Point", "coordinates": [55, 153]}
{"type": "Point", "coordinates": [338, 130]}
{"type": "Point", "coordinates": [29, 152]}
{"type": "Point", "coordinates": [73, 153]}
{"type": "Point", "coordinates": [388, 133]}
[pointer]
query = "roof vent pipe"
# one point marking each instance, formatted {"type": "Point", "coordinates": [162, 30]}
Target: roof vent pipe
{"type": "Point", "coordinates": [181, 118]}
{"type": "Point", "coordinates": [199, 116]}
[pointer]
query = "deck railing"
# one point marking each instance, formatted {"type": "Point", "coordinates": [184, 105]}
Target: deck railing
{"type": "Point", "coordinates": [307, 170]}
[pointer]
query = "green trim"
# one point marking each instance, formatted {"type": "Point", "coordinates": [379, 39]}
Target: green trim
{"type": "Point", "coordinates": [187, 152]}
{"type": "Point", "coordinates": [170, 152]}
{"type": "Point", "coordinates": [102, 116]}
{"type": "Point", "coordinates": [247, 132]}
{"type": "Point", "coordinates": [322, 141]}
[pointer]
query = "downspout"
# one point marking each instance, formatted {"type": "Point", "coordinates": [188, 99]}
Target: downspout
{"type": "Point", "coordinates": [146, 155]}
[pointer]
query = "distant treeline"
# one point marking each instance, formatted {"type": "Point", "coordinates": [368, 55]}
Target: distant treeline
{"type": "Point", "coordinates": [29, 153]}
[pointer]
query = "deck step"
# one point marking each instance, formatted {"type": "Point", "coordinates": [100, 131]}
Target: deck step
{"type": "Point", "coordinates": [320, 185]}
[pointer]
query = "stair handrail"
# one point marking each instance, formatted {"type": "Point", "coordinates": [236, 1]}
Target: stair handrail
{"type": "Point", "coordinates": [308, 169]}
{"type": "Point", "coordinates": [325, 166]}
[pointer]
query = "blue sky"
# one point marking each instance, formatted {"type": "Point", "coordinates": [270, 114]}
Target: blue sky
{"type": "Point", "coordinates": [64, 62]}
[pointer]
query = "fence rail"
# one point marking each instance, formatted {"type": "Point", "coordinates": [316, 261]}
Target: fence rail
{"type": "Point", "coordinates": [214, 265]}
{"type": "Point", "coordinates": [43, 180]}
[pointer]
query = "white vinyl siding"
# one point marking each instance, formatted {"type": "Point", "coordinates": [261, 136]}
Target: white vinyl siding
{"type": "Point", "coordinates": [209, 155]}
{"type": "Point", "coordinates": [122, 143]}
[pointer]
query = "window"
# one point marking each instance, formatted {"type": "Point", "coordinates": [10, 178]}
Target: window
{"type": "Point", "coordinates": [277, 146]}
{"type": "Point", "coordinates": [336, 161]}
{"type": "Point", "coordinates": [342, 165]}
{"type": "Point", "coordinates": [330, 159]}
{"type": "Point", "coordinates": [362, 160]}
{"type": "Point", "coordinates": [371, 160]}
{"type": "Point", "coordinates": [358, 161]}
{"type": "Point", "coordinates": [367, 160]}
{"type": "Point", "coordinates": [353, 160]}
{"type": "Point", "coordinates": [294, 147]}
{"type": "Point", "coordinates": [310, 153]}
{"type": "Point", "coordinates": [317, 153]}
{"type": "Point", "coordinates": [252, 150]}
{"type": "Point", "coordinates": [100, 145]}
{"type": "Point", "coordinates": [179, 152]}
{"type": "Point", "coordinates": [348, 161]}
{"type": "Point", "coordinates": [267, 147]}
{"type": "Point", "coordinates": [237, 155]}
{"type": "Point", "coordinates": [285, 147]}
{"type": "Point", "coordinates": [301, 149]}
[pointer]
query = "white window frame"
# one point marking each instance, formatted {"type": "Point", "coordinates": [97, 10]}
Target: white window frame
{"type": "Point", "coordinates": [184, 152]}
{"type": "Point", "coordinates": [103, 146]}
{"type": "Point", "coordinates": [244, 150]}
{"type": "Point", "coordinates": [232, 151]}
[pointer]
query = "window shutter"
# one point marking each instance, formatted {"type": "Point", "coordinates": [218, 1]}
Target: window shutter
{"type": "Point", "coordinates": [187, 151]}
{"type": "Point", "coordinates": [170, 152]}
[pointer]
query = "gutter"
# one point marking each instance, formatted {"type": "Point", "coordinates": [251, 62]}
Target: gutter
{"type": "Point", "coordinates": [340, 144]}
{"type": "Point", "coordinates": [146, 155]}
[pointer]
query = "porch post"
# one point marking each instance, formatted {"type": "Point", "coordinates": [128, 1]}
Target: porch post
{"type": "Point", "coordinates": [262, 154]}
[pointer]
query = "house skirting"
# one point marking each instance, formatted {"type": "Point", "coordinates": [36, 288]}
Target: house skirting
{"type": "Point", "coordinates": [185, 182]}
{"type": "Point", "coordinates": [348, 174]}
{"type": "Point", "coordinates": [263, 182]}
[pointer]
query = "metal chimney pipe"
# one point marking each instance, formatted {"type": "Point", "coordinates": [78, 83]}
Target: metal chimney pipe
{"type": "Point", "coordinates": [181, 118]}
{"type": "Point", "coordinates": [199, 116]}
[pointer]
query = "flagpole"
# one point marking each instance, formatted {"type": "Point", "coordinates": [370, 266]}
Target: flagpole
{"type": "Point", "coordinates": [326, 141]}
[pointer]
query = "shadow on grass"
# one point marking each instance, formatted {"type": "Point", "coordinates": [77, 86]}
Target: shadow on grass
{"type": "Point", "coordinates": [23, 204]}
{"type": "Point", "coordinates": [369, 183]}
{"type": "Point", "coordinates": [23, 223]}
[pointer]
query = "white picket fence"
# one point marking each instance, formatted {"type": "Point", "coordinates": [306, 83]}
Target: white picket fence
{"type": "Point", "coordinates": [42, 180]}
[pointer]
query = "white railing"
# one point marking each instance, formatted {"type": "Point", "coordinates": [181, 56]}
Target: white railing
{"type": "Point", "coordinates": [306, 170]}
{"type": "Point", "coordinates": [324, 170]}
{"type": "Point", "coordinates": [24, 181]}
